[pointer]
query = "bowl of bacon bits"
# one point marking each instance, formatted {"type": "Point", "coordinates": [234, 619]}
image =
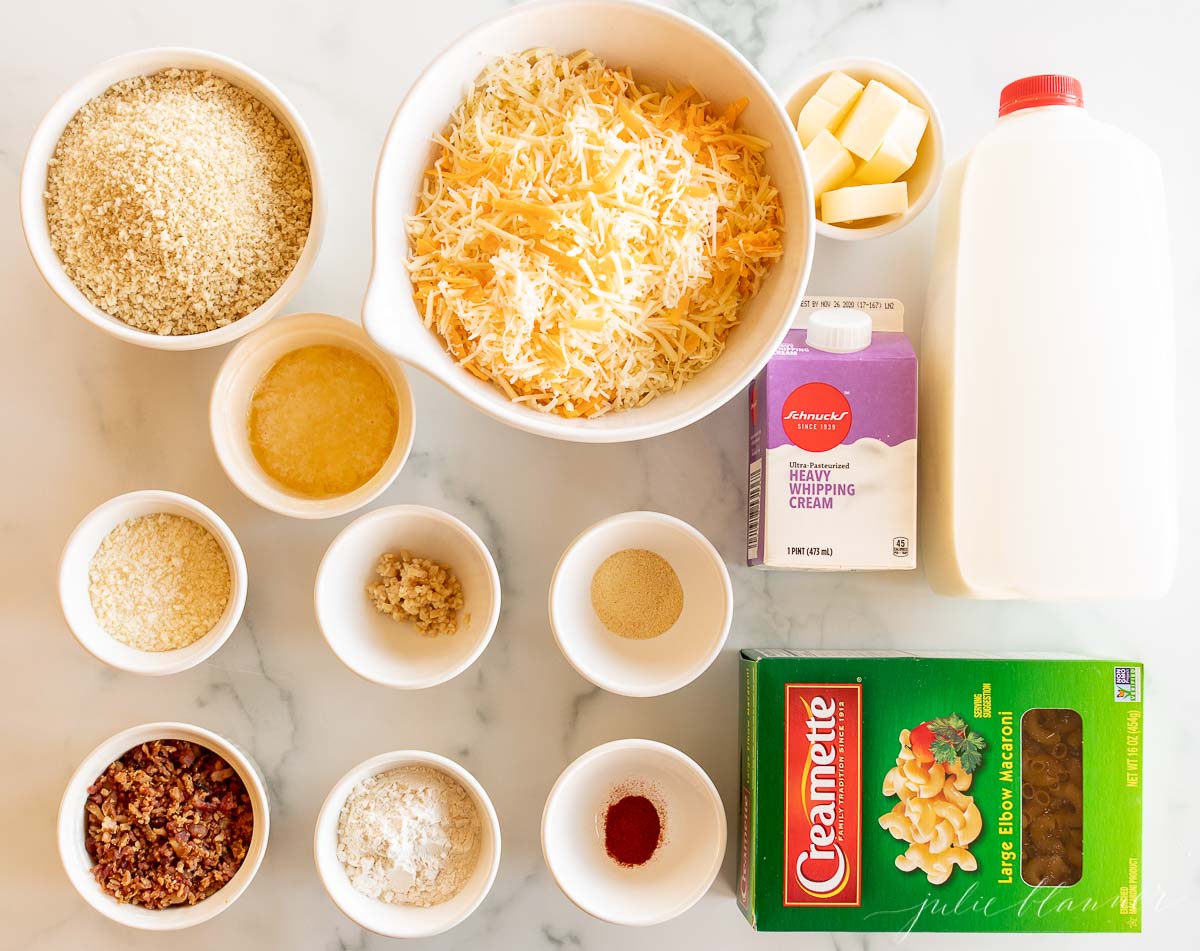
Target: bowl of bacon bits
{"type": "Point", "coordinates": [163, 826]}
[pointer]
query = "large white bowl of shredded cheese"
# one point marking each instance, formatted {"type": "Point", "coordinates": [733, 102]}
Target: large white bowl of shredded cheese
{"type": "Point", "coordinates": [662, 49]}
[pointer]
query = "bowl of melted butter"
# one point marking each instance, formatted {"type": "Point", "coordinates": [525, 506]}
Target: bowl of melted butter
{"type": "Point", "coordinates": [309, 418]}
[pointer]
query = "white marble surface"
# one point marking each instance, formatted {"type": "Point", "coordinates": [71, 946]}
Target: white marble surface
{"type": "Point", "coordinates": [85, 417]}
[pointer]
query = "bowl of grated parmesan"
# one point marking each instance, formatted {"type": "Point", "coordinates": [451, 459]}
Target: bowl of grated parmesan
{"type": "Point", "coordinates": [609, 229]}
{"type": "Point", "coordinates": [152, 582]}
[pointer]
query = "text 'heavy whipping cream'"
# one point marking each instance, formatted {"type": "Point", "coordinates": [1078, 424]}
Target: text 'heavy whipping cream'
{"type": "Point", "coordinates": [1047, 362]}
{"type": "Point", "coordinates": [833, 444]}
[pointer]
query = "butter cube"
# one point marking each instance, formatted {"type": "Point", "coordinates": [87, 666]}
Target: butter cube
{"type": "Point", "coordinates": [818, 115]}
{"type": "Point", "coordinates": [909, 127]}
{"type": "Point", "coordinates": [827, 108]}
{"type": "Point", "coordinates": [869, 121]}
{"type": "Point", "coordinates": [856, 202]}
{"type": "Point", "coordinates": [887, 164]}
{"type": "Point", "coordinates": [828, 163]}
{"type": "Point", "coordinates": [898, 150]}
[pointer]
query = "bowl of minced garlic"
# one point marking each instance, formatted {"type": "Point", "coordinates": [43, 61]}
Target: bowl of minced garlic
{"type": "Point", "coordinates": [152, 582]}
{"type": "Point", "coordinates": [309, 419]}
{"type": "Point", "coordinates": [641, 603]}
{"type": "Point", "coordinates": [172, 198]}
{"type": "Point", "coordinates": [407, 596]}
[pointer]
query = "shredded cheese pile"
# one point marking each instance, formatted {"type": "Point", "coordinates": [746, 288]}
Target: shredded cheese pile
{"type": "Point", "coordinates": [585, 242]}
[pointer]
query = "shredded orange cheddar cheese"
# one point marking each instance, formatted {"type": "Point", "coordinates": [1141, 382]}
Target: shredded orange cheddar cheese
{"type": "Point", "coordinates": [585, 242]}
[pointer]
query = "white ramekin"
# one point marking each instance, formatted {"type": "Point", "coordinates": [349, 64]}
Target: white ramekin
{"type": "Point", "coordinates": [377, 647]}
{"type": "Point", "coordinates": [926, 173]}
{"type": "Point", "coordinates": [71, 829]}
{"type": "Point", "coordinates": [230, 406]}
{"type": "Point", "coordinates": [642, 668]}
{"type": "Point", "coordinates": [73, 582]}
{"type": "Point", "coordinates": [41, 150]}
{"type": "Point", "coordinates": [659, 45]}
{"type": "Point", "coordinates": [404, 921]}
{"type": "Point", "coordinates": [685, 865]}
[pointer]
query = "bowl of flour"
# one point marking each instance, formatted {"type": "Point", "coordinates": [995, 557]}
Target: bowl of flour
{"type": "Point", "coordinates": [407, 844]}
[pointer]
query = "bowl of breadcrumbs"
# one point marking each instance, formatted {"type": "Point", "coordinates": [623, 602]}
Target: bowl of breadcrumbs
{"type": "Point", "coordinates": [171, 197]}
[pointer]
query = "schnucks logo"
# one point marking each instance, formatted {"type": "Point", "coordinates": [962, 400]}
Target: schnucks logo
{"type": "Point", "coordinates": [816, 417]}
{"type": "Point", "coordinates": [822, 852]}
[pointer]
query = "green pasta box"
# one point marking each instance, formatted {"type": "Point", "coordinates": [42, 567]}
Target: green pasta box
{"type": "Point", "coordinates": [901, 793]}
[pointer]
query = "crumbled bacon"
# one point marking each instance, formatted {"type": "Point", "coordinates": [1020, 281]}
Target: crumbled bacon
{"type": "Point", "coordinates": [169, 823]}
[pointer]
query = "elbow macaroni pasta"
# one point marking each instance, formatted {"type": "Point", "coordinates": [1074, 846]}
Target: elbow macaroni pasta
{"type": "Point", "coordinates": [934, 815]}
{"type": "Point", "coordinates": [1051, 797]}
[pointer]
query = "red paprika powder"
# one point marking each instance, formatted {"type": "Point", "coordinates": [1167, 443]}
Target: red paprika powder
{"type": "Point", "coordinates": [632, 830]}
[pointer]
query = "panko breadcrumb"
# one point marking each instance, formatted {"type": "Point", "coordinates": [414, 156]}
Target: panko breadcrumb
{"type": "Point", "coordinates": [177, 202]}
{"type": "Point", "coordinates": [417, 590]}
{"type": "Point", "coordinates": [159, 582]}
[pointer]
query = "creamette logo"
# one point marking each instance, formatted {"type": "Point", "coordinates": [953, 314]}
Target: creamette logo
{"type": "Point", "coordinates": [823, 804]}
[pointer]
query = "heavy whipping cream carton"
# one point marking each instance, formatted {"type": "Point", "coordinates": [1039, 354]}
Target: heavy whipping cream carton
{"type": "Point", "coordinates": [885, 792]}
{"type": "Point", "coordinates": [833, 443]}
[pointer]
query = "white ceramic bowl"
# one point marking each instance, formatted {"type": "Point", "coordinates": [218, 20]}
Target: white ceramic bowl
{"type": "Point", "coordinates": [41, 150]}
{"type": "Point", "coordinates": [926, 173]}
{"type": "Point", "coordinates": [404, 921]}
{"type": "Point", "coordinates": [677, 875]}
{"type": "Point", "coordinates": [230, 406]}
{"type": "Point", "coordinates": [642, 668]}
{"type": "Point", "coordinates": [76, 600]}
{"type": "Point", "coordinates": [71, 830]}
{"type": "Point", "coordinates": [659, 45]}
{"type": "Point", "coordinates": [390, 652]}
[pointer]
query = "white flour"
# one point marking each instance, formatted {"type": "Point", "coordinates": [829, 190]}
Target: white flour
{"type": "Point", "coordinates": [409, 836]}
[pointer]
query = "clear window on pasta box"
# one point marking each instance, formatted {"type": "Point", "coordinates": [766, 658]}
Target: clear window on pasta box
{"type": "Point", "coordinates": [1051, 797]}
{"type": "Point", "coordinates": [890, 792]}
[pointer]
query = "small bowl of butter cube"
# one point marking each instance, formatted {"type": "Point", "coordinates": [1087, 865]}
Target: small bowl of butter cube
{"type": "Point", "coordinates": [873, 144]}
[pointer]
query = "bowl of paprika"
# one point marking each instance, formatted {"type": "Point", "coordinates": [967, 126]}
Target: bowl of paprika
{"type": "Point", "coordinates": [634, 832]}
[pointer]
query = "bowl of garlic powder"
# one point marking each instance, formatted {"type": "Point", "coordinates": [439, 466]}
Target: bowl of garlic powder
{"type": "Point", "coordinates": [407, 844]}
{"type": "Point", "coordinates": [641, 603]}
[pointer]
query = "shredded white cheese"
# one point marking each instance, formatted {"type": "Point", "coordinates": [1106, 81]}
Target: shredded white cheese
{"type": "Point", "coordinates": [585, 242]}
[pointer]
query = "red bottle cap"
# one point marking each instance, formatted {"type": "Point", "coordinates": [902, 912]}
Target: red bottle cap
{"type": "Point", "coordinates": [1048, 89]}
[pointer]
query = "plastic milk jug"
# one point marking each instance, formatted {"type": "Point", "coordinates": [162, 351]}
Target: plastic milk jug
{"type": "Point", "coordinates": [1047, 465]}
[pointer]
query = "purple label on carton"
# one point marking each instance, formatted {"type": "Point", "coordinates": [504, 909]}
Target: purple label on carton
{"type": "Point", "coordinates": [880, 383]}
